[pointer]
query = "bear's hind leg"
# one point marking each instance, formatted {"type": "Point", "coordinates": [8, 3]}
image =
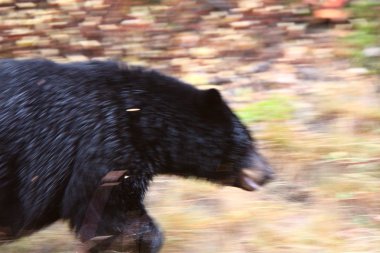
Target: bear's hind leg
{"type": "Point", "coordinates": [10, 207]}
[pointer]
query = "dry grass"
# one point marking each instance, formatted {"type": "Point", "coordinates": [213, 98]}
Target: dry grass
{"type": "Point", "coordinates": [325, 199]}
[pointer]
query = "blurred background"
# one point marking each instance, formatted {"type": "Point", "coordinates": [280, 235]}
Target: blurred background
{"type": "Point", "coordinates": [302, 74]}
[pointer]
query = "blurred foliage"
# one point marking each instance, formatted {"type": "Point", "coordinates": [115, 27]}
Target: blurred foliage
{"type": "Point", "coordinates": [366, 24]}
{"type": "Point", "coordinates": [319, 129]}
{"type": "Point", "coordinates": [272, 109]}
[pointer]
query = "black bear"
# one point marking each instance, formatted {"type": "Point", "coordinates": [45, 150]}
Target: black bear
{"type": "Point", "coordinates": [81, 142]}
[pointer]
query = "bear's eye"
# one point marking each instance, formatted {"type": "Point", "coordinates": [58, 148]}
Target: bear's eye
{"type": "Point", "coordinates": [224, 167]}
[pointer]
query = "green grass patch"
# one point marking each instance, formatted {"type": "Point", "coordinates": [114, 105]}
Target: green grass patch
{"type": "Point", "coordinates": [272, 109]}
{"type": "Point", "coordinates": [362, 38]}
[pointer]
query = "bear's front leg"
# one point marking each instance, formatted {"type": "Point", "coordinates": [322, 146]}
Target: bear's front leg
{"type": "Point", "coordinates": [135, 233]}
{"type": "Point", "coordinates": [115, 219]}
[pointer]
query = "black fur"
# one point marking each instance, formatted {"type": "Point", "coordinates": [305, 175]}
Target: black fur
{"type": "Point", "coordinates": [63, 127]}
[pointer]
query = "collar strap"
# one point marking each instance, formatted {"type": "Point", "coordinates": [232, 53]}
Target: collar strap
{"type": "Point", "coordinates": [113, 178]}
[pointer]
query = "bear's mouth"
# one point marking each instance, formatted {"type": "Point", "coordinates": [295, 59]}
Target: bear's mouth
{"type": "Point", "coordinates": [251, 180]}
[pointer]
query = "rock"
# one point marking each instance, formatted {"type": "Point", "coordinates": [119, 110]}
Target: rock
{"type": "Point", "coordinates": [245, 45]}
{"type": "Point", "coordinates": [358, 71]}
{"type": "Point", "coordinates": [60, 37]}
{"type": "Point", "coordinates": [296, 52]}
{"type": "Point", "coordinates": [227, 74]}
{"type": "Point", "coordinates": [371, 52]}
{"type": "Point", "coordinates": [242, 24]}
{"type": "Point", "coordinates": [192, 67]}
{"type": "Point", "coordinates": [295, 30]}
{"type": "Point", "coordinates": [26, 5]}
{"type": "Point", "coordinates": [153, 54]}
{"type": "Point", "coordinates": [5, 2]}
{"type": "Point", "coordinates": [108, 27]}
{"type": "Point", "coordinates": [309, 73]}
{"type": "Point", "coordinates": [62, 2]}
{"type": "Point", "coordinates": [203, 52]}
{"type": "Point", "coordinates": [58, 25]}
{"type": "Point", "coordinates": [28, 41]}
{"type": "Point", "coordinates": [95, 4]}
{"type": "Point", "coordinates": [140, 11]}
{"type": "Point", "coordinates": [323, 53]}
{"type": "Point", "coordinates": [6, 9]}
{"type": "Point", "coordinates": [221, 4]}
{"type": "Point", "coordinates": [305, 111]}
{"type": "Point", "coordinates": [47, 52]}
{"type": "Point", "coordinates": [251, 4]}
{"type": "Point", "coordinates": [240, 10]}
{"type": "Point", "coordinates": [331, 14]}
{"type": "Point", "coordinates": [274, 8]}
{"type": "Point", "coordinates": [232, 18]}
{"type": "Point", "coordinates": [24, 54]}
{"type": "Point", "coordinates": [76, 58]}
{"type": "Point", "coordinates": [58, 59]}
{"type": "Point", "coordinates": [255, 68]}
{"type": "Point", "coordinates": [187, 40]}
{"type": "Point", "coordinates": [158, 9]}
{"type": "Point", "coordinates": [197, 78]}
{"type": "Point", "coordinates": [20, 31]}
{"type": "Point", "coordinates": [113, 52]}
{"type": "Point", "coordinates": [217, 14]}
{"type": "Point", "coordinates": [135, 23]}
{"type": "Point", "coordinates": [219, 80]}
{"type": "Point", "coordinates": [285, 78]}
{"type": "Point", "coordinates": [87, 24]}
{"type": "Point", "coordinates": [78, 15]}
{"type": "Point", "coordinates": [180, 61]}
{"type": "Point", "coordinates": [87, 44]}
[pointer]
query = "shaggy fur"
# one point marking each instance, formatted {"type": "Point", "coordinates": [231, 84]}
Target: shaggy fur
{"type": "Point", "coordinates": [63, 127]}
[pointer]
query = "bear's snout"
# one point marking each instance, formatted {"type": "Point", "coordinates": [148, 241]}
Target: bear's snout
{"type": "Point", "coordinates": [255, 176]}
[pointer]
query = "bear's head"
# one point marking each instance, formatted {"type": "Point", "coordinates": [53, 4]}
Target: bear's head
{"type": "Point", "coordinates": [240, 164]}
{"type": "Point", "coordinates": [192, 133]}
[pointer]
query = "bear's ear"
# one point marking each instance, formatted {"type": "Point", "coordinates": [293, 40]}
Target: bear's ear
{"type": "Point", "coordinates": [210, 98]}
{"type": "Point", "coordinates": [210, 103]}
